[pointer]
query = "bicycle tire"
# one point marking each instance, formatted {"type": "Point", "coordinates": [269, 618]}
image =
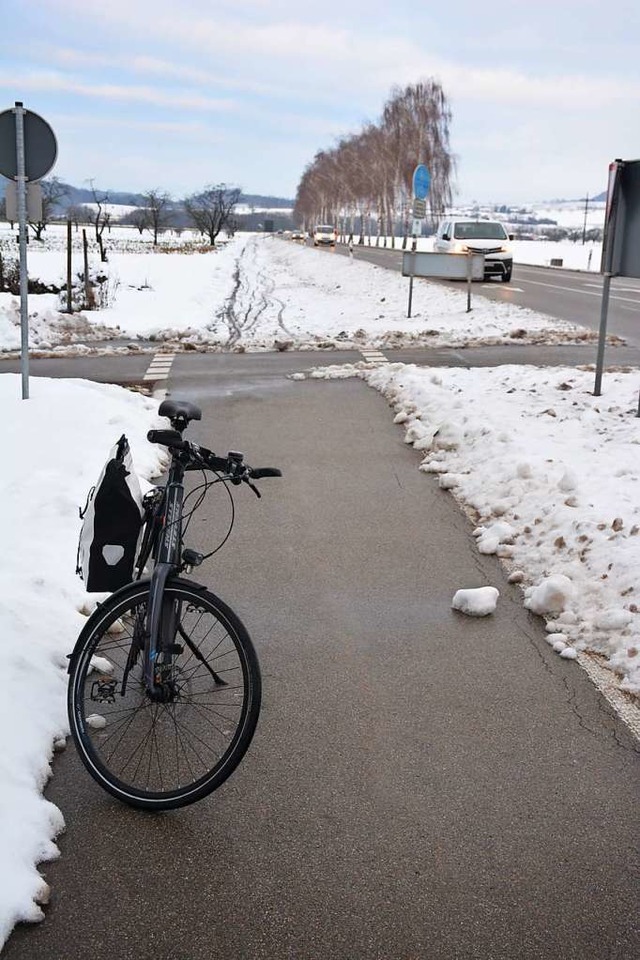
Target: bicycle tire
{"type": "Point", "coordinates": [160, 756]}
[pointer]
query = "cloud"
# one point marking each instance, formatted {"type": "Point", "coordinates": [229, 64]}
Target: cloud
{"type": "Point", "coordinates": [49, 81]}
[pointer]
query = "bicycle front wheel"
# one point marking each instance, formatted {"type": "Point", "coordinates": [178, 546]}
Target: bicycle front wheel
{"type": "Point", "coordinates": [158, 756]}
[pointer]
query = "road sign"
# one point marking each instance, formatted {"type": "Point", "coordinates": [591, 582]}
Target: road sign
{"type": "Point", "coordinates": [421, 181]}
{"type": "Point", "coordinates": [40, 146]}
{"type": "Point", "coordinates": [446, 266]}
{"type": "Point", "coordinates": [621, 244]}
{"type": "Point", "coordinates": [34, 202]}
{"type": "Point", "coordinates": [419, 208]}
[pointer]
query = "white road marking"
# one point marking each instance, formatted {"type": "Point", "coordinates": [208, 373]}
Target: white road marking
{"type": "Point", "coordinates": [587, 293]}
{"type": "Point", "coordinates": [618, 289]}
{"type": "Point", "coordinates": [159, 367]}
{"type": "Point", "coordinates": [623, 706]}
{"type": "Point", "coordinates": [373, 356]}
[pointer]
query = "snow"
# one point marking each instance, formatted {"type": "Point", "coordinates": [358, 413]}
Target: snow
{"type": "Point", "coordinates": [257, 292]}
{"type": "Point", "coordinates": [551, 595]}
{"type": "Point", "coordinates": [58, 440]}
{"type": "Point", "coordinates": [547, 472]}
{"type": "Point", "coordinates": [476, 601]}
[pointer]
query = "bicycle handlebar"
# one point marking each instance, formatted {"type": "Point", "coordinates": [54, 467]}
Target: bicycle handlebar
{"type": "Point", "coordinates": [197, 457]}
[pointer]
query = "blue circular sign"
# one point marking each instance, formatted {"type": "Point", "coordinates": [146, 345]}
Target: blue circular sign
{"type": "Point", "coordinates": [421, 181]}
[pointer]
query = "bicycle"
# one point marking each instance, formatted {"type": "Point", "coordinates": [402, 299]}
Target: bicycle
{"type": "Point", "coordinates": [164, 682]}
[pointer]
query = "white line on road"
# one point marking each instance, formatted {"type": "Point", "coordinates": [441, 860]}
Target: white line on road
{"type": "Point", "coordinates": [618, 289]}
{"type": "Point", "coordinates": [159, 367]}
{"type": "Point", "coordinates": [587, 293]}
{"type": "Point", "coordinates": [373, 356]}
{"type": "Point", "coordinates": [623, 705]}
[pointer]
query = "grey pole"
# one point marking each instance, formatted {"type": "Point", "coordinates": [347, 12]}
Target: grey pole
{"type": "Point", "coordinates": [22, 234]}
{"type": "Point", "coordinates": [602, 336]}
{"type": "Point", "coordinates": [414, 247]}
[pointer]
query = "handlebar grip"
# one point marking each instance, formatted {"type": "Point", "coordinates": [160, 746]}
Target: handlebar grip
{"type": "Point", "coordinates": [257, 473]}
{"type": "Point", "coordinates": [168, 438]}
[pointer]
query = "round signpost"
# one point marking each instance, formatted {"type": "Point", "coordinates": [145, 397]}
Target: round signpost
{"type": "Point", "coordinates": [421, 181]}
{"type": "Point", "coordinates": [28, 151]}
{"type": "Point", "coordinates": [40, 146]}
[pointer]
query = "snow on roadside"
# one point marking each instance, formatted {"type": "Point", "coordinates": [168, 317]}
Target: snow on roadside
{"type": "Point", "coordinates": [549, 474]}
{"type": "Point", "coordinates": [264, 293]}
{"type": "Point", "coordinates": [57, 441]}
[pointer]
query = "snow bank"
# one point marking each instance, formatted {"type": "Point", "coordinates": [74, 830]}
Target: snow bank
{"type": "Point", "coordinates": [58, 441]}
{"type": "Point", "coordinates": [550, 474]}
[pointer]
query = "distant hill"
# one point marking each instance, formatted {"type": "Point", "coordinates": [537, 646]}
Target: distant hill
{"type": "Point", "coordinates": [77, 196]}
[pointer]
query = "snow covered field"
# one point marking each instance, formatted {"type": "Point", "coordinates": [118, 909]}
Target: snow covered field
{"type": "Point", "coordinates": [259, 293]}
{"type": "Point", "coordinates": [548, 472]}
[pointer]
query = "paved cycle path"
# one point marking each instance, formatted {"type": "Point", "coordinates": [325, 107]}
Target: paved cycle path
{"type": "Point", "coordinates": [422, 786]}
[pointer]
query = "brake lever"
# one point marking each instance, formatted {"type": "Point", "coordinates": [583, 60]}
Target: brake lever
{"type": "Point", "coordinates": [254, 488]}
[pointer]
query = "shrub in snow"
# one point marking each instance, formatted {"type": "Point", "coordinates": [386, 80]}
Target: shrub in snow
{"type": "Point", "coordinates": [477, 601]}
{"type": "Point", "coordinates": [551, 595]}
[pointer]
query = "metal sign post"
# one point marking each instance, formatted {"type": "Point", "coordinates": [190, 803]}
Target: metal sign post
{"type": "Point", "coordinates": [420, 183]}
{"type": "Point", "coordinates": [22, 236]}
{"type": "Point", "coordinates": [621, 243]}
{"type": "Point", "coordinates": [606, 267]}
{"type": "Point", "coordinates": [469, 277]}
{"type": "Point", "coordinates": [443, 266]}
{"type": "Point", "coordinates": [28, 150]}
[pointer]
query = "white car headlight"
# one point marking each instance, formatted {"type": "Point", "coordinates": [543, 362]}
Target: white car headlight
{"type": "Point", "coordinates": [461, 248]}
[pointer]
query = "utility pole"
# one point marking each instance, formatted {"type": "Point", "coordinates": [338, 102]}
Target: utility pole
{"type": "Point", "coordinates": [584, 227]}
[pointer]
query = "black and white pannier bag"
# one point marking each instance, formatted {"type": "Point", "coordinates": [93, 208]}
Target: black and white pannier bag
{"type": "Point", "coordinates": [111, 524]}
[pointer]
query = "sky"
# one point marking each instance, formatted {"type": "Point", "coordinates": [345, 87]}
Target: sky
{"type": "Point", "coordinates": [154, 93]}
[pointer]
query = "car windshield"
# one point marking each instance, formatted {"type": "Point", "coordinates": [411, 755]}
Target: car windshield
{"type": "Point", "coordinates": [479, 231]}
{"type": "Point", "coordinates": [324, 229]}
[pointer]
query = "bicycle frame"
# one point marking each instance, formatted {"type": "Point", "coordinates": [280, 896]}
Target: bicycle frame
{"type": "Point", "coordinates": [161, 621]}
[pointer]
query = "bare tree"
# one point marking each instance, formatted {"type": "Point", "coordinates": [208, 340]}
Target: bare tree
{"type": "Point", "coordinates": [370, 173]}
{"type": "Point", "coordinates": [138, 218]}
{"type": "Point", "coordinates": [211, 210]}
{"type": "Point", "coordinates": [53, 191]}
{"type": "Point", "coordinates": [158, 214]}
{"type": "Point", "coordinates": [417, 120]}
{"type": "Point", "coordinates": [79, 214]}
{"type": "Point", "coordinates": [100, 218]}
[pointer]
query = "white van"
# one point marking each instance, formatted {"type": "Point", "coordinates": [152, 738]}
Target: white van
{"type": "Point", "coordinates": [478, 236]}
{"type": "Point", "coordinates": [324, 234]}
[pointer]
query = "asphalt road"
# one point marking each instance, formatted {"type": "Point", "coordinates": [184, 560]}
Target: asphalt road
{"type": "Point", "coordinates": [421, 785]}
{"type": "Point", "coordinates": [242, 372]}
{"type": "Point", "coordinates": [567, 294]}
